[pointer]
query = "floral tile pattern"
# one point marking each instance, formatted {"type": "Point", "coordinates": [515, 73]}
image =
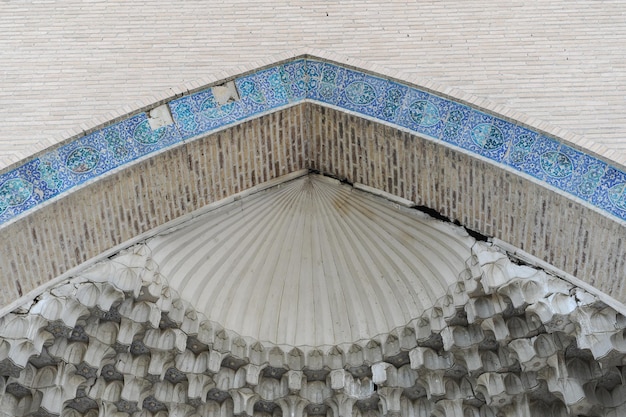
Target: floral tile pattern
{"type": "Point", "coordinates": [587, 175]}
{"type": "Point", "coordinates": [86, 157]}
{"type": "Point", "coordinates": [487, 136]}
{"type": "Point", "coordinates": [262, 91]}
{"type": "Point", "coordinates": [456, 123]}
{"type": "Point", "coordinates": [200, 113]}
{"type": "Point", "coordinates": [423, 113]}
{"type": "Point", "coordinates": [520, 149]}
{"type": "Point", "coordinates": [325, 81]}
{"type": "Point", "coordinates": [538, 162]}
{"type": "Point", "coordinates": [368, 95]}
{"type": "Point", "coordinates": [16, 194]}
{"type": "Point", "coordinates": [293, 78]}
{"type": "Point", "coordinates": [610, 194]}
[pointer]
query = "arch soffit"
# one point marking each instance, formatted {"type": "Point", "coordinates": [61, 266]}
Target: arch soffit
{"type": "Point", "coordinates": [497, 137]}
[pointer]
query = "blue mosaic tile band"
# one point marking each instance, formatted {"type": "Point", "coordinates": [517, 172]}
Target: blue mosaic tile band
{"type": "Point", "coordinates": [423, 113]}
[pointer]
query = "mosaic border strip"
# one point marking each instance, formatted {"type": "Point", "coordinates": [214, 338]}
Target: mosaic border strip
{"type": "Point", "coordinates": [503, 142]}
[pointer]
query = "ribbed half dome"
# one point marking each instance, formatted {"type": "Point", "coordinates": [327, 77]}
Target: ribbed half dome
{"type": "Point", "coordinates": [312, 262]}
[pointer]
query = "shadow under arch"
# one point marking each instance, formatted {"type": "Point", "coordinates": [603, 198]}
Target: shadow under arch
{"type": "Point", "coordinates": [501, 177]}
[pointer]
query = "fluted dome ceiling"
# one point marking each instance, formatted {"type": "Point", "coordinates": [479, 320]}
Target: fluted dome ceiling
{"type": "Point", "coordinates": [312, 262]}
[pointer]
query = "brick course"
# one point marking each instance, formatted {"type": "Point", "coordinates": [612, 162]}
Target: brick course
{"type": "Point", "coordinates": [145, 195]}
{"type": "Point", "coordinates": [479, 195]}
{"type": "Point", "coordinates": [149, 193]}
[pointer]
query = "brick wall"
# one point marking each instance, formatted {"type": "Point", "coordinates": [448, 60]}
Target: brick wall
{"type": "Point", "coordinates": [480, 196]}
{"type": "Point", "coordinates": [147, 194]}
{"type": "Point", "coordinates": [96, 218]}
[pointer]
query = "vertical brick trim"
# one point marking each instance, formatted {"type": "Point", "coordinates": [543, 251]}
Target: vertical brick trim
{"type": "Point", "coordinates": [479, 195]}
{"type": "Point", "coordinates": [145, 195]}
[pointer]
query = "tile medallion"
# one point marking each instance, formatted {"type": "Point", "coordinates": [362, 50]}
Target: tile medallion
{"type": "Point", "coordinates": [438, 118]}
{"type": "Point", "coordinates": [572, 171]}
{"type": "Point", "coordinates": [368, 95]}
{"type": "Point", "coordinates": [14, 192]}
{"type": "Point", "coordinates": [82, 159]}
{"type": "Point", "coordinates": [556, 164]}
{"type": "Point", "coordinates": [86, 157]}
{"type": "Point", "coordinates": [19, 191]}
{"type": "Point", "coordinates": [360, 93]}
{"type": "Point", "coordinates": [423, 113]}
{"type": "Point", "coordinates": [487, 136]}
{"type": "Point", "coordinates": [538, 160]}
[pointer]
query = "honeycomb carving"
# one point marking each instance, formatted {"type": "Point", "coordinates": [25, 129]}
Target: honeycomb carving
{"type": "Point", "coordinates": [506, 340]}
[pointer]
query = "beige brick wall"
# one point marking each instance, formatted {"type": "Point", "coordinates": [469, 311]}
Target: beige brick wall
{"type": "Point", "coordinates": [67, 63]}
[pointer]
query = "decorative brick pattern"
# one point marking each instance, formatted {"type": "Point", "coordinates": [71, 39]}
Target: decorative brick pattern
{"type": "Point", "coordinates": [118, 207]}
{"type": "Point", "coordinates": [478, 133]}
{"type": "Point", "coordinates": [479, 195]}
{"type": "Point", "coordinates": [561, 65]}
{"type": "Point", "coordinates": [470, 179]}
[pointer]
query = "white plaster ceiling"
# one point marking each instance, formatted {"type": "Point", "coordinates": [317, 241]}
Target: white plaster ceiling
{"type": "Point", "coordinates": [312, 262]}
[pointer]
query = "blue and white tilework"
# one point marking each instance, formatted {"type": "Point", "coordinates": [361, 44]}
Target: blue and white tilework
{"type": "Point", "coordinates": [487, 136]}
{"type": "Point", "coordinates": [17, 192]}
{"type": "Point", "coordinates": [456, 122]}
{"type": "Point", "coordinates": [325, 81]}
{"type": "Point", "coordinates": [93, 155]}
{"type": "Point", "coordinates": [610, 194]}
{"type": "Point", "coordinates": [538, 159]}
{"type": "Point", "coordinates": [262, 91]}
{"type": "Point", "coordinates": [587, 175]}
{"type": "Point", "coordinates": [200, 113]}
{"type": "Point", "coordinates": [423, 113]}
{"type": "Point", "coordinates": [293, 78]}
{"type": "Point", "coordinates": [520, 149]}
{"type": "Point", "coordinates": [371, 96]}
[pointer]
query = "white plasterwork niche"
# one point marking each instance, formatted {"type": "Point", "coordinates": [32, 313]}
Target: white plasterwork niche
{"type": "Point", "coordinates": [312, 262]}
{"type": "Point", "coordinates": [380, 310]}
